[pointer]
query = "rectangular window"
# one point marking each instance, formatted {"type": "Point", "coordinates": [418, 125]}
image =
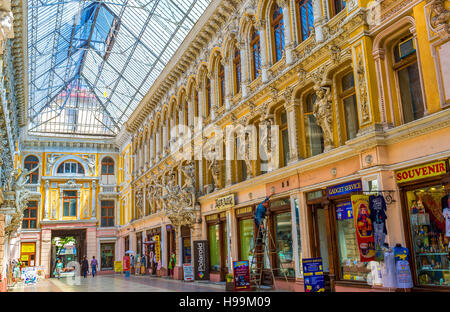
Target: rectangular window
{"type": "Point", "coordinates": [70, 203]}
{"type": "Point", "coordinates": [410, 93]}
{"type": "Point", "coordinates": [350, 106]}
{"type": "Point", "coordinates": [313, 132]}
{"type": "Point", "coordinates": [284, 246]}
{"type": "Point", "coordinates": [30, 216]}
{"type": "Point", "coordinates": [246, 239]}
{"type": "Point", "coordinates": [429, 230]}
{"type": "Point", "coordinates": [351, 267]}
{"type": "Point", "coordinates": [107, 213]}
{"type": "Point", "coordinates": [284, 139]}
{"type": "Point", "coordinates": [214, 247]}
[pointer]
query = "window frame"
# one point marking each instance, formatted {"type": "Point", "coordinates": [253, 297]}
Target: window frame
{"type": "Point", "coordinates": [79, 165]}
{"type": "Point", "coordinates": [277, 24]}
{"type": "Point", "coordinates": [306, 114]}
{"type": "Point", "coordinates": [32, 164]}
{"type": "Point", "coordinates": [108, 209]}
{"type": "Point", "coordinates": [28, 218]}
{"type": "Point", "coordinates": [298, 5]}
{"type": "Point", "coordinates": [109, 162]}
{"type": "Point", "coordinates": [237, 70]}
{"type": "Point", "coordinates": [345, 94]}
{"type": "Point", "coordinates": [208, 99]}
{"type": "Point", "coordinates": [255, 44]}
{"type": "Point", "coordinates": [68, 198]}
{"type": "Point", "coordinates": [221, 84]}
{"type": "Point", "coordinates": [334, 9]}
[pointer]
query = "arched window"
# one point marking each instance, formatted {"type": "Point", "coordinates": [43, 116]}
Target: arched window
{"type": "Point", "coordinates": [337, 6]}
{"type": "Point", "coordinates": [278, 32]}
{"type": "Point", "coordinates": [306, 18]}
{"type": "Point", "coordinates": [407, 71]}
{"type": "Point", "coordinates": [208, 96]}
{"type": "Point", "coordinates": [196, 108]}
{"type": "Point", "coordinates": [237, 70]}
{"type": "Point", "coordinates": [221, 85]}
{"type": "Point", "coordinates": [107, 166]}
{"type": "Point", "coordinates": [313, 132]}
{"type": "Point", "coordinates": [255, 47]}
{"type": "Point", "coordinates": [70, 167]}
{"type": "Point", "coordinates": [30, 163]}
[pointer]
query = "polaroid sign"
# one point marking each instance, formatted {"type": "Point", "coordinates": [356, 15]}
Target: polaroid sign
{"type": "Point", "coordinates": [201, 257]}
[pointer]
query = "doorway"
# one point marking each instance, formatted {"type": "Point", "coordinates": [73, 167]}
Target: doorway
{"type": "Point", "coordinates": [70, 247]}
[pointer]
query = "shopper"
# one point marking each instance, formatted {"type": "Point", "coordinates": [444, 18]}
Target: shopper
{"type": "Point", "coordinates": [85, 266]}
{"type": "Point", "coordinates": [94, 266]}
{"type": "Point", "coordinates": [59, 267]}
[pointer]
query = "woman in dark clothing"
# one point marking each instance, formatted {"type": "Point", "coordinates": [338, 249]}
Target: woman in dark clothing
{"type": "Point", "coordinates": [85, 266]}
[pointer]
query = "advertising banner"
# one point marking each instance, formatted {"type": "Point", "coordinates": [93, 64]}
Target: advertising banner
{"type": "Point", "coordinates": [188, 272]}
{"type": "Point", "coordinates": [117, 266]}
{"type": "Point", "coordinates": [126, 263]}
{"type": "Point", "coordinates": [29, 275]}
{"type": "Point", "coordinates": [313, 275]}
{"type": "Point", "coordinates": [157, 248]}
{"type": "Point", "coordinates": [344, 211]}
{"type": "Point", "coordinates": [201, 260]}
{"type": "Point", "coordinates": [364, 228]}
{"type": "Point", "coordinates": [241, 274]}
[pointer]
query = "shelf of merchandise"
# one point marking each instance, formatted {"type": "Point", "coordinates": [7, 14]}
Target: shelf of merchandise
{"type": "Point", "coordinates": [437, 270]}
{"type": "Point", "coordinates": [433, 254]}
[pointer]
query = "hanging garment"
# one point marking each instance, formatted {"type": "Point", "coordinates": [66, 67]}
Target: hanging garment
{"type": "Point", "coordinates": [404, 279]}
{"type": "Point", "coordinates": [377, 206]}
{"type": "Point", "coordinates": [388, 271]}
{"type": "Point", "coordinates": [446, 214]}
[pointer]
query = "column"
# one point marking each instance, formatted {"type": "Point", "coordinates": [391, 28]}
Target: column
{"type": "Point", "coordinates": [163, 242]}
{"type": "Point", "coordinates": [229, 81]}
{"type": "Point", "coordinates": [261, 25]}
{"type": "Point", "coordinates": [318, 19]}
{"type": "Point", "coordinates": [93, 199]}
{"type": "Point", "coordinates": [378, 57]}
{"type": "Point", "coordinates": [152, 149]}
{"type": "Point", "coordinates": [289, 44]}
{"type": "Point", "coordinates": [292, 120]}
{"type": "Point", "coordinates": [178, 270]}
{"type": "Point", "coordinates": [230, 232]}
{"type": "Point", "coordinates": [158, 145]}
{"type": "Point", "coordinates": [46, 200]}
{"type": "Point", "coordinates": [213, 96]}
{"type": "Point", "coordinates": [245, 68]}
{"type": "Point", "coordinates": [46, 250]}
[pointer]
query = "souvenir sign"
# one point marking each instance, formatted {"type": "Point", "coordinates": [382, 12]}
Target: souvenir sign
{"type": "Point", "coordinates": [201, 257]}
{"type": "Point", "coordinates": [364, 228]}
{"type": "Point", "coordinates": [118, 266]}
{"type": "Point", "coordinates": [313, 275]}
{"type": "Point", "coordinates": [241, 273]}
{"type": "Point", "coordinates": [188, 272]}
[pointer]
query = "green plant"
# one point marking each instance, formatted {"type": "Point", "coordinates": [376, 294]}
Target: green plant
{"type": "Point", "coordinates": [61, 242]}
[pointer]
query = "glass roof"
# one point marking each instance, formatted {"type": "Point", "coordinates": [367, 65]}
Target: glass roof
{"type": "Point", "coordinates": [92, 62]}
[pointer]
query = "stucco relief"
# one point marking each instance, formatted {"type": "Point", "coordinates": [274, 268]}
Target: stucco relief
{"type": "Point", "coordinates": [440, 16]}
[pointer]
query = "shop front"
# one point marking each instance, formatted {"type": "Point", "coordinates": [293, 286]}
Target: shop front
{"type": "Point", "coordinates": [218, 249]}
{"type": "Point", "coordinates": [107, 256]}
{"type": "Point", "coordinates": [171, 249]}
{"type": "Point", "coordinates": [333, 236]}
{"type": "Point", "coordinates": [28, 254]}
{"type": "Point", "coordinates": [425, 200]}
{"type": "Point", "coordinates": [186, 250]}
{"type": "Point", "coordinates": [153, 250]}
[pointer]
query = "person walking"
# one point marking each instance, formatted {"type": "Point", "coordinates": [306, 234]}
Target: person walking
{"type": "Point", "coordinates": [94, 264]}
{"type": "Point", "coordinates": [59, 267]}
{"type": "Point", "coordinates": [85, 266]}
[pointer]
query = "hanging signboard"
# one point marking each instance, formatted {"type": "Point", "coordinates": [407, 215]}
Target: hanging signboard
{"type": "Point", "coordinates": [313, 275]}
{"type": "Point", "coordinates": [201, 257]}
{"type": "Point", "coordinates": [188, 272]}
{"type": "Point", "coordinates": [241, 274]}
{"type": "Point", "coordinates": [157, 248]}
{"type": "Point", "coordinates": [363, 226]}
{"type": "Point", "coordinates": [126, 263]}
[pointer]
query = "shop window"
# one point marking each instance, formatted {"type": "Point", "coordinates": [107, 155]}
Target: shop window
{"type": "Point", "coordinates": [28, 254]}
{"type": "Point", "coordinates": [246, 239]}
{"type": "Point", "coordinates": [351, 267]}
{"type": "Point", "coordinates": [214, 247]}
{"type": "Point", "coordinates": [337, 6]}
{"type": "Point", "coordinates": [277, 25]}
{"type": "Point", "coordinates": [107, 257]}
{"type": "Point", "coordinates": [30, 163]}
{"type": "Point", "coordinates": [255, 46]}
{"type": "Point", "coordinates": [306, 18]}
{"type": "Point", "coordinates": [237, 70]}
{"type": "Point", "coordinates": [69, 167]}
{"type": "Point", "coordinates": [284, 246]}
{"type": "Point", "coordinates": [348, 96]}
{"type": "Point", "coordinates": [408, 76]}
{"type": "Point", "coordinates": [30, 216]}
{"type": "Point", "coordinates": [70, 203]}
{"type": "Point", "coordinates": [313, 132]}
{"type": "Point", "coordinates": [107, 213]}
{"type": "Point", "coordinates": [428, 233]}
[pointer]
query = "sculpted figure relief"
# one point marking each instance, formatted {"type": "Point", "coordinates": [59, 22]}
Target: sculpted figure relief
{"type": "Point", "coordinates": [440, 15]}
{"type": "Point", "coordinates": [244, 152]}
{"type": "Point", "coordinates": [324, 114]}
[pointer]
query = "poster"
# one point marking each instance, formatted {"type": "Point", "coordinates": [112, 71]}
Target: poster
{"type": "Point", "coordinates": [344, 211]}
{"type": "Point", "coordinates": [201, 260]}
{"type": "Point", "coordinates": [40, 272]}
{"type": "Point", "coordinates": [363, 226]}
{"type": "Point", "coordinates": [118, 266]}
{"type": "Point", "coordinates": [241, 275]}
{"type": "Point", "coordinates": [188, 272]}
{"type": "Point", "coordinates": [157, 248]}
{"type": "Point", "coordinates": [29, 275]}
{"type": "Point", "coordinates": [313, 275]}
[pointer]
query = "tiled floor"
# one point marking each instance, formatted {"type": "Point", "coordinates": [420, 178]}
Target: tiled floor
{"type": "Point", "coordinates": [118, 283]}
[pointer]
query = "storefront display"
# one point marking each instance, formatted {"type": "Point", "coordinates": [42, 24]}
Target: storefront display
{"type": "Point", "coordinates": [28, 254]}
{"type": "Point", "coordinates": [214, 247]}
{"type": "Point", "coordinates": [364, 228]}
{"type": "Point", "coordinates": [246, 239]}
{"type": "Point", "coordinates": [283, 240]}
{"type": "Point", "coordinates": [107, 256]}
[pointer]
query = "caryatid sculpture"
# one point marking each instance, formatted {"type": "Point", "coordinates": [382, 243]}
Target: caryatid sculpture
{"type": "Point", "coordinates": [323, 111]}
